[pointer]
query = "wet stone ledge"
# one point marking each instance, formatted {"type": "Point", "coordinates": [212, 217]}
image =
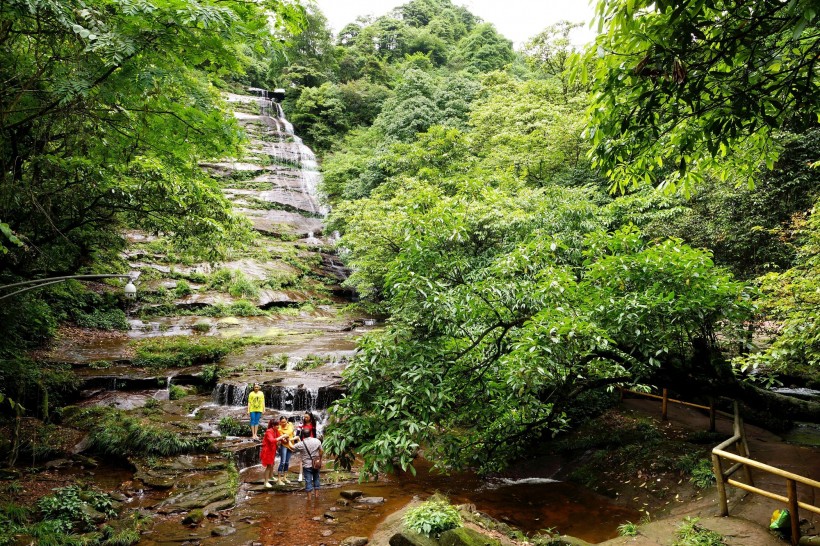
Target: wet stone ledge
{"type": "Point", "coordinates": [278, 397]}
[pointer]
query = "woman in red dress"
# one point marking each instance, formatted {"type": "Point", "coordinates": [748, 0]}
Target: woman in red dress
{"type": "Point", "coordinates": [269, 447]}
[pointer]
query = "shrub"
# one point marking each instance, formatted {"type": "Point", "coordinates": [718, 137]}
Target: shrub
{"type": "Point", "coordinates": [67, 504]}
{"type": "Point", "coordinates": [689, 533]}
{"type": "Point", "coordinates": [628, 529]}
{"type": "Point", "coordinates": [175, 392]}
{"type": "Point", "coordinates": [229, 426]}
{"type": "Point", "coordinates": [432, 518]}
{"type": "Point", "coordinates": [102, 319]}
{"type": "Point", "coordinates": [182, 289]}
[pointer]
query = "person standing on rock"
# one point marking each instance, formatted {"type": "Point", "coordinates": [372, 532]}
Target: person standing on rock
{"type": "Point", "coordinates": [269, 447]}
{"type": "Point", "coordinates": [311, 453]}
{"type": "Point", "coordinates": [307, 430]}
{"type": "Point", "coordinates": [256, 406]}
{"type": "Point", "coordinates": [285, 439]}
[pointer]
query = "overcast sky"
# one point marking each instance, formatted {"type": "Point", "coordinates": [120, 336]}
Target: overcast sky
{"type": "Point", "coordinates": [518, 20]}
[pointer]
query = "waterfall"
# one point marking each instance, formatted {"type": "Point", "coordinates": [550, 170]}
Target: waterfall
{"type": "Point", "coordinates": [279, 398]}
{"type": "Point", "coordinates": [303, 157]}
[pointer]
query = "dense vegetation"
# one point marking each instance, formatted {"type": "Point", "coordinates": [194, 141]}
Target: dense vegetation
{"type": "Point", "coordinates": [106, 109]}
{"type": "Point", "coordinates": [504, 209]}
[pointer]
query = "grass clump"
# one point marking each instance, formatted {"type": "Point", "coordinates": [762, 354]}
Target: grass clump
{"type": "Point", "coordinates": [175, 392]}
{"type": "Point", "coordinates": [699, 468]}
{"type": "Point", "coordinates": [432, 518]}
{"type": "Point", "coordinates": [102, 319]}
{"type": "Point", "coordinates": [690, 533]}
{"type": "Point", "coordinates": [182, 351]}
{"type": "Point", "coordinates": [115, 433]}
{"type": "Point", "coordinates": [230, 426]}
{"type": "Point", "coordinates": [182, 289]}
{"type": "Point", "coordinates": [628, 529]}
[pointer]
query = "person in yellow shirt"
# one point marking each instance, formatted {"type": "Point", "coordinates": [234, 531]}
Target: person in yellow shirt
{"type": "Point", "coordinates": [285, 440]}
{"type": "Point", "coordinates": [256, 406]}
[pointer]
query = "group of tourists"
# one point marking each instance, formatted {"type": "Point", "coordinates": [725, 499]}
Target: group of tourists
{"type": "Point", "coordinates": [281, 439]}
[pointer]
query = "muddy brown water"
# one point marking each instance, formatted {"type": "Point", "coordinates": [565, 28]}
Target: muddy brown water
{"type": "Point", "coordinates": [531, 504]}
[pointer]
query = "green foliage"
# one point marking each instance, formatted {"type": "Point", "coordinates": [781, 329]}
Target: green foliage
{"type": "Point", "coordinates": [687, 88]}
{"type": "Point", "coordinates": [182, 289]}
{"type": "Point", "coordinates": [67, 503]}
{"type": "Point", "coordinates": [229, 426]}
{"type": "Point", "coordinates": [311, 361]}
{"type": "Point", "coordinates": [792, 298]}
{"type": "Point", "coordinates": [242, 286]}
{"type": "Point", "coordinates": [175, 392]}
{"type": "Point", "coordinates": [506, 303]}
{"type": "Point", "coordinates": [432, 517]}
{"type": "Point", "coordinates": [201, 327]}
{"type": "Point", "coordinates": [14, 513]}
{"type": "Point", "coordinates": [123, 537]}
{"type": "Point", "coordinates": [210, 373]}
{"type": "Point", "coordinates": [628, 529]}
{"type": "Point", "coordinates": [699, 468]}
{"type": "Point", "coordinates": [113, 319]}
{"type": "Point", "coordinates": [183, 351]}
{"type": "Point", "coordinates": [114, 433]}
{"type": "Point", "coordinates": [690, 533]}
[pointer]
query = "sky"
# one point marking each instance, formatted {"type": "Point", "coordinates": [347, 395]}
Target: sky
{"type": "Point", "coordinates": [518, 20]}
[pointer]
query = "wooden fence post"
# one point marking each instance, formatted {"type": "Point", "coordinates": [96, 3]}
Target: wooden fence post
{"type": "Point", "coordinates": [721, 486]}
{"type": "Point", "coordinates": [791, 492]}
{"type": "Point", "coordinates": [711, 414]}
{"type": "Point", "coordinates": [665, 404]}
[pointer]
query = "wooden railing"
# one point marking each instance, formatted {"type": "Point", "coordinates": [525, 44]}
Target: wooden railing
{"type": "Point", "coordinates": [741, 460]}
{"type": "Point", "coordinates": [665, 401]}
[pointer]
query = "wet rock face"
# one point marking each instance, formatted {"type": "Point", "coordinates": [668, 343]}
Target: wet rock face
{"type": "Point", "coordinates": [278, 397]}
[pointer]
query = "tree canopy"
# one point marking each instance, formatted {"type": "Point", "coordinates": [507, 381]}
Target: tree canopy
{"type": "Point", "coordinates": [106, 109]}
{"type": "Point", "coordinates": [688, 87]}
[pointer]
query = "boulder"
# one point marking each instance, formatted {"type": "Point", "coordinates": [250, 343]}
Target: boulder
{"type": "Point", "coordinates": [464, 536]}
{"type": "Point", "coordinates": [93, 515]}
{"type": "Point", "coordinates": [193, 517]}
{"type": "Point", "coordinates": [354, 541]}
{"type": "Point", "coordinates": [411, 538]}
{"type": "Point", "coordinates": [223, 531]}
{"type": "Point", "coordinates": [370, 500]}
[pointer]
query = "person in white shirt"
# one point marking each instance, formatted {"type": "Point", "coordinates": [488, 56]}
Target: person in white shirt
{"type": "Point", "coordinates": [311, 452]}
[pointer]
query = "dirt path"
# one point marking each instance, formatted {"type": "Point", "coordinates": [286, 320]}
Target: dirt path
{"type": "Point", "coordinates": [749, 513]}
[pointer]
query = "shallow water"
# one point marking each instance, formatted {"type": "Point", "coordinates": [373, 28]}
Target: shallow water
{"type": "Point", "coordinates": [532, 504]}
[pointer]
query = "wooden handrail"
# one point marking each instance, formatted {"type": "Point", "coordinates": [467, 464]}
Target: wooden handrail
{"type": "Point", "coordinates": [767, 468]}
{"type": "Point", "coordinates": [742, 460]}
